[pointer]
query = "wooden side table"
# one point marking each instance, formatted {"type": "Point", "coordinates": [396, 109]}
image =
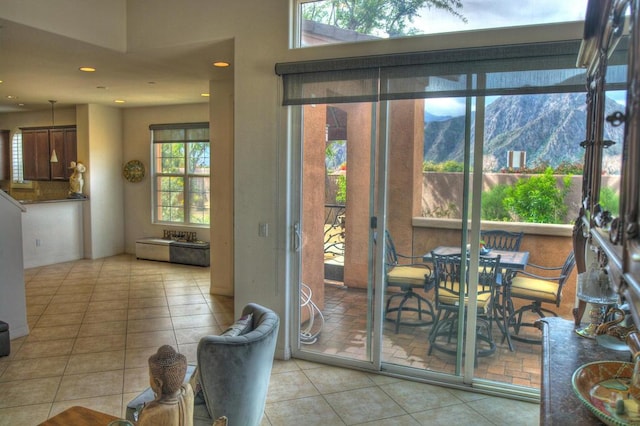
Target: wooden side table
{"type": "Point", "coordinates": [79, 416]}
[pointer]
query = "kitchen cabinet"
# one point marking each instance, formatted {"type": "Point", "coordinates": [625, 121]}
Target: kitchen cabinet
{"type": "Point", "coordinates": [4, 155]}
{"type": "Point", "coordinates": [38, 146]}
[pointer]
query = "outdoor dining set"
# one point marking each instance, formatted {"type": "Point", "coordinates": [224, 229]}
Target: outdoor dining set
{"type": "Point", "coordinates": [506, 290]}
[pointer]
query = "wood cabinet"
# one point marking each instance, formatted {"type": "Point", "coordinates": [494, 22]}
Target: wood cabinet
{"type": "Point", "coordinates": [38, 146]}
{"type": "Point", "coordinates": [5, 161]}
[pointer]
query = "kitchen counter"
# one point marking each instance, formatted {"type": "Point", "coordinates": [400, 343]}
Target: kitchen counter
{"type": "Point", "coordinates": [563, 351]}
{"type": "Point", "coordinates": [57, 200]}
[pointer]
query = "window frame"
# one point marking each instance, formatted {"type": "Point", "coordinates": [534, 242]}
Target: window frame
{"type": "Point", "coordinates": [184, 174]}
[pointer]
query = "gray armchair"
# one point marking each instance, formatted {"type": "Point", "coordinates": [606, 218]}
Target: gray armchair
{"type": "Point", "coordinates": [233, 371]}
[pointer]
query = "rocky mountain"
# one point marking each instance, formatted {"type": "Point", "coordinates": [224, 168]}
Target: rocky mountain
{"type": "Point", "coordinates": [548, 127]}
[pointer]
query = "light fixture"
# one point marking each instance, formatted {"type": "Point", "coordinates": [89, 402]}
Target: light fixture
{"type": "Point", "coordinates": [87, 69]}
{"type": "Point", "coordinates": [54, 157]}
{"type": "Point", "coordinates": [119, 101]}
{"type": "Point", "coordinates": [221, 64]}
{"type": "Point", "coordinates": [204, 95]}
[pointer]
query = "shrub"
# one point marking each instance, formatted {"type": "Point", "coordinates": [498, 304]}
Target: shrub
{"type": "Point", "coordinates": [538, 199]}
{"type": "Point", "coordinates": [447, 166]}
{"type": "Point", "coordinates": [493, 204]}
{"type": "Point", "coordinates": [341, 192]}
{"type": "Point", "coordinates": [610, 201]}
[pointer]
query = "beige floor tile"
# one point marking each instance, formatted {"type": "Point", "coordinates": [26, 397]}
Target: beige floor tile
{"type": "Point", "coordinates": [89, 385]}
{"type": "Point", "coordinates": [290, 385]}
{"type": "Point", "coordinates": [95, 362]}
{"type": "Point", "coordinates": [363, 405]}
{"type": "Point", "coordinates": [85, 345]}
{"type": "Point", "coordinates": [182, 291]}
{"type": "Point", "coordinates": [280, 366]}
{"type": "Point", "coordinates": [106, 295]}
{"type": "Point", "coordinates": [75, 289]}
{"type": "Point", "coordinates": [109, 404]}
{"type": "Point", "coordinates": [413, 396]}
{"type": "Point", "coordinates": [105, 328]}
{"type": "Point", "coordinates": [462, 415]}
{"type": "Point", "coordinates": [335, 379]}
{"type": "Point", "coordinates": [500, 411]}
{"type": "Point", "coordinates": [195, 309]}
{"type": "Point", "coordinates": [107, 305]}
{"type": "Point", "coordinates": [34, 368]}
{"type": "Point", "coordinates": [71, 298]}
{"type": "Point", "coordinates": [39, 334]}
{"type": "Point", "coordinates": [193, 335]}
{"type": "Point", "coordinates": [39, 300]}
{"type": "Point", "coordinates": [190, 351]}
{"type": "Point", "coordinates": [154, 312]}
{"type": "Point", "coordinates": [41, 291]}
{"type": "Point", "coordinates": [36, 309]}
{"type": "Point", "coordinates": [206, 320]}
{"type": "Point", "coordinates": [151, 339]}
{"type": "Point", "coordinates": [138, 357]}
{"type": "Point", "coordinates": [405, 420]}
{"type": "Point", "coordinates": [28, 392]}
{"type": "Point", "coordinates": [188, 299]}
{"type": "Point", "coordinates": [313, 410]}
{"type": "Point", "coordinates": [155, 324]}
{"type": "Point", "coordinates": [30, 350]}
{"type": "Point", "coordinates": [147, 302]}
{"type": "Point", "coordinates": [105, 316]}
{"type": "Point", "coordinates": [60, 319]}
{"type": "Point", "coordinates": [64, 308]}
{"type": "Point", "coordinates": [24, 415]}
{"type": "Point", "coordinates": [147, 291]}
{"type": "Point", "coordinates": [136, 379]}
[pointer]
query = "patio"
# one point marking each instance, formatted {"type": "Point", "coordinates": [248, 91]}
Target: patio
{"type": "Point", "coordinates": [344, 334]}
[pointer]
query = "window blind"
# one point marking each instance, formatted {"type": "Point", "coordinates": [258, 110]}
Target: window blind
{"type": "Point", "coordinates": [512, 69]}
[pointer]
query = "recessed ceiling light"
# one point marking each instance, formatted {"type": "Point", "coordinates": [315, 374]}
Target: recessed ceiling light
{"type": "Point", "coordinates": [151, 82]}
{"type": "Point", "coordinates": [101, 87]}
{"type": "Point", "coordinates": [87, 69]}
{"type": "Point", "coordinates": [119, 101]}
{"type": "Point", "coordinates": [204, 95]}
{"type": "Point", "coordinates": [11, 97]}
{"type": "Point", "coordinates": [221, 64]}
{"type": "Point", "coordinates": [1, 81]}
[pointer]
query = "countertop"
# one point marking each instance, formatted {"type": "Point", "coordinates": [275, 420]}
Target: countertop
{"type": "Point", "coordinates": [56, 200]}
{"type": "Point", "coordinates": [563, 351]}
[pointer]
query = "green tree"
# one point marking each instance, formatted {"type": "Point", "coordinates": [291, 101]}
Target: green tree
{"type": "Point", "coordinates": [493, 207]}
{"type": "Point", "coordinates": [392, 17]}
{"type": "Point", "coordinates": [538, 199]}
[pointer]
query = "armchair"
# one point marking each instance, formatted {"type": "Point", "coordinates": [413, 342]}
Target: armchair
{"type": "Point", "coordinates": [407, 278]}
{"type": "Point", "coordinates": [538, 289]}
{"type": "Point", "coordinates": [502, 240]}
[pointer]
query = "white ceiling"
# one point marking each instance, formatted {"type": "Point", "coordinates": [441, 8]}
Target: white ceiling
{"type": "Point", "coordinates": [36, 66]}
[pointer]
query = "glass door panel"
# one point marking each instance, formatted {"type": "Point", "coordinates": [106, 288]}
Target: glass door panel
{"type": "Point", "coordinates": [336, 250]}
{"type": "Point", "coordinates": [425, 179]}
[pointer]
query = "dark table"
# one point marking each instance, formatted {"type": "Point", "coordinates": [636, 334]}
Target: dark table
{"type": "Point", "coordinates": [563, 351]}
{"type": "Point", "coordinates": [510, 261]}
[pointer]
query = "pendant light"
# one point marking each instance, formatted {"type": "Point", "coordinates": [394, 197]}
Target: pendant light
{"type": "Point", "coordinates": [54, 157]}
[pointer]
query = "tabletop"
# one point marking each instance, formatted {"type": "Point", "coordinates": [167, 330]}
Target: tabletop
{"type": "Point", "coordinates": [516, 260]}
{"type": "Point", "coordinates": [79, 416]}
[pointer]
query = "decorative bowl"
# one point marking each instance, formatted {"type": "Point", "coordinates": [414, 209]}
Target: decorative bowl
{"type": "Point", "coordinates": [600, 385]}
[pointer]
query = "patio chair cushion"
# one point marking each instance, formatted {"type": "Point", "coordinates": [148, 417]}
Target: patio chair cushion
{"type": "Point", "coordinates": [450, 298]}
{"type": "Point", "coordinates": [534, 288]}
{"type": "Point", "coordinates": [403, 275]}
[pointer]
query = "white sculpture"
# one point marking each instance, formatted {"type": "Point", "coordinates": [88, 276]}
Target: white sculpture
{"type": "Point", "coordinates": [76, 181]}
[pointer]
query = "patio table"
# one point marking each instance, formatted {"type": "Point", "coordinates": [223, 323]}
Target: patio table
{"type": "Point", "coordinates": [510, 261]}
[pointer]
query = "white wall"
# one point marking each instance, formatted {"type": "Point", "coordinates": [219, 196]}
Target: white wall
{"type": "Point", "coordinates": [100, 145]}
{"type": "Point", "coordinates": [13, 308]}
{"type": "Point", "coordinates": [137, 146]}
{"type": "Point", "coordinates": [52, 233]}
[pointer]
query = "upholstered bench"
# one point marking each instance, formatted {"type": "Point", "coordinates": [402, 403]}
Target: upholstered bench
{"type": "Point", "coordinates": [5, 341]}
{"type": "Point", "coordinates": [188, 253]}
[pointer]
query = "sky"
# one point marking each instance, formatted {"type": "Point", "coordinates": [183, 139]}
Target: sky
{"type": "Point", "coordinates": [501, 13]}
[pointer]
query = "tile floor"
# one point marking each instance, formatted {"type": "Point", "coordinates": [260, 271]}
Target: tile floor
{"type": "Point", "coordinates": [94, 323]}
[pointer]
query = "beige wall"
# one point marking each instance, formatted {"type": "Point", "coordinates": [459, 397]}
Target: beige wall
{"type": "Point", "coordinates": [137, 146]}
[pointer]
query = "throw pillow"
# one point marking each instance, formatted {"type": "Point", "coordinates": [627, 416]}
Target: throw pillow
{"type": "Point", "coordinates": [240, 327]}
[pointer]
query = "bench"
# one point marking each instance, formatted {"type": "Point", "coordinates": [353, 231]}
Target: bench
{"type": "Point", "coordinates": [165, 250]}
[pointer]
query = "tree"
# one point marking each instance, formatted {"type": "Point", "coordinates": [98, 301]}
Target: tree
{"type": "Point", "coordinates": [392, 17]}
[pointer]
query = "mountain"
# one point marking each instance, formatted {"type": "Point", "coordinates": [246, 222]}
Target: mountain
{"type": "Point", "coordinates": [548, 127]}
